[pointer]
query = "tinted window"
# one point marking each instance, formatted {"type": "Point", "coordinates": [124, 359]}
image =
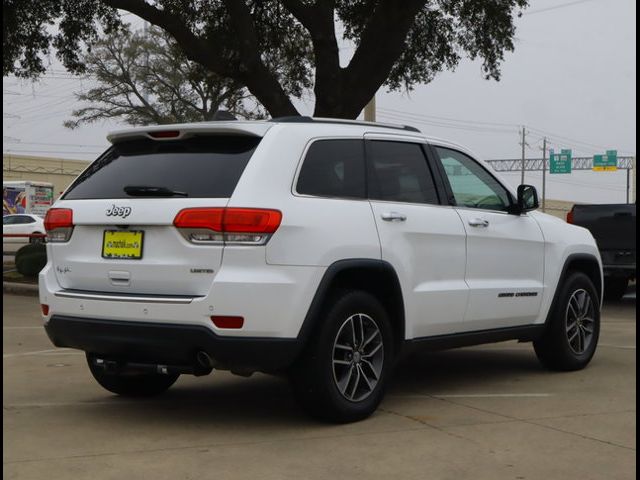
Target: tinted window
{"type": "Point", "coordinates": [333, 168]}
{"type": "Point", "coordinates": [9, 220]}
{"type": "Point", "coordinates": [400, 173]}
{"type": "Point", "coordinates": [201, 167]}
{"type": "Point", "coordinates": [472, 185]}
{"type": "Point", "coordinates": [25, 219]}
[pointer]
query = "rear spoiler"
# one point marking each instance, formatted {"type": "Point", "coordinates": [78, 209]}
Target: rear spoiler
{"type": "Point", "coordinates": [187, 130]}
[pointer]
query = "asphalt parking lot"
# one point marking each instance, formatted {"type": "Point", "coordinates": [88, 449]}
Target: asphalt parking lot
{"type": "Point", "coordinates": [486, 412]}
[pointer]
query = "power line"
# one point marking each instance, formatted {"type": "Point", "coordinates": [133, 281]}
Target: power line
{"type": "Point", "coordinates": [555, 7]}
{"type": "Point", "coordinates": [422, 115]}
{"type": "Point", "coordinates": [396, 117]}
{"type": "Point", "coordinates": [475, 125]}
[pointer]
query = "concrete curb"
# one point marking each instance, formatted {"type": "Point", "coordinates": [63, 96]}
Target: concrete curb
{"type": "Point", "coordinates": [20, 288]}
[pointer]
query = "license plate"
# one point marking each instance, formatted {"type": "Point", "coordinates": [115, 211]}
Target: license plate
{"type": "Point", "coordinates": [122, 244]}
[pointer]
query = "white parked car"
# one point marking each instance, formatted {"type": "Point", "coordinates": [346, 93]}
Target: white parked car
{"type": "Point", "coordinates": [321, 248]}
{"type": "Point", "coordinates": [22, 224]}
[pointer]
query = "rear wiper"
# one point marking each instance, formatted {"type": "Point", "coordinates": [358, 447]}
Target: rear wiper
{"type": "Point", "coordinates": [150, 191]}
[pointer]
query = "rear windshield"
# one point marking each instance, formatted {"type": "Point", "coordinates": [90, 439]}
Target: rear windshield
{"type": "Point", "coordinates": [201, 167]}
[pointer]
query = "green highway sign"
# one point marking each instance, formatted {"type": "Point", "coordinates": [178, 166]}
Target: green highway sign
{"type": "Point", "coordinates": [560, 162]}
{"type": "Point", "coordinates": [607, 162]}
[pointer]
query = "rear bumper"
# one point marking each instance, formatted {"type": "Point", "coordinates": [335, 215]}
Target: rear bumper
{"type": "Point", "coordinates": [170, 343]}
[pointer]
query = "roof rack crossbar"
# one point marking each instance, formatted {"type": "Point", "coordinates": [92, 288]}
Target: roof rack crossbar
{"type": "Point", "coordinates": [307, 119]}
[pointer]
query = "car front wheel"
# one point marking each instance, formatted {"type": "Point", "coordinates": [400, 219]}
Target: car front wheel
{"type": "Point", "coordinates": [573, 327]}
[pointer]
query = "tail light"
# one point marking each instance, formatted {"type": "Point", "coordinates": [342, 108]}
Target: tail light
{"type": "Point", "coordinates": [45, 309]}
{"type": "Point", "coordinates": [240, 226]}
{"type": "Point", "coordinates": [58, 223]}
{"type": "Point", "coordinates": [570, 216]}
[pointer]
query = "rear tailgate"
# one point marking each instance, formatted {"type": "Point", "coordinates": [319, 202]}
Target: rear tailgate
{"type": "Point", "coordinates": [201, 171]}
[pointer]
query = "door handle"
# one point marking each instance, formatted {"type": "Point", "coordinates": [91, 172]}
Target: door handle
{"type": "Point", "coordinates": [393, 217]}
{"type": "Point", "coordinates": [479, 222]}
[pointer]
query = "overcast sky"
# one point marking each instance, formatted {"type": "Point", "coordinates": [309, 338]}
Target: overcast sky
{"type": "Point", "coordinates": [571, 77]}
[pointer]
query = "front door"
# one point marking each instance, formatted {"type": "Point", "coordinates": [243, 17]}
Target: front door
{"type": "Point", "coordinates": [505, 252]}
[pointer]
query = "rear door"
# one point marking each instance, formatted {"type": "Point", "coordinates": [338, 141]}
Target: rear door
{"type": "Point", "coordinates": [505, 252]}
{"type": "Point", "coordinates": [124, 206]}
{"type": "Point", "coordinates": [422, 239]}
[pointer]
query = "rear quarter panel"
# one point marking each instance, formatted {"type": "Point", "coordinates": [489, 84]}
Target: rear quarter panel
{"type": "Point", "coordinates": [314, 231]}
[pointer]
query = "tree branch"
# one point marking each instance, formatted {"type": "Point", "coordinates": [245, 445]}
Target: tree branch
{"type": "Point", "coordinates": [196, 48]}
{"type": "Point", "coordinates": [381, 43]}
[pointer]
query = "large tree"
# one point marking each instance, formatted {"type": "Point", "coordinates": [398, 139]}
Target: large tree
{"type": "Point", "coordinates": [278, 48]}
{"type": "Point", "coordinates": [144, 78]}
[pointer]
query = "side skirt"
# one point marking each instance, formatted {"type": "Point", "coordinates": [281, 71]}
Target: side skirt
{"type": "Point", "coordinates": [525, 333]}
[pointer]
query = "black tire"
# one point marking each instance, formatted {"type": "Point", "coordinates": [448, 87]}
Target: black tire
{"type": "Point", "coordinates": [315, 377]}
{"type": "Point", "coordinates": [559, 348]}
{"type": "Point", "coordinates": [615, 288]}
{"type": "Point", "coordinates": [141, 385]}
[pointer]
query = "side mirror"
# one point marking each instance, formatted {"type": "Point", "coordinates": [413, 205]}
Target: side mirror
{"type": "Point", "coordinates": [527, 199]}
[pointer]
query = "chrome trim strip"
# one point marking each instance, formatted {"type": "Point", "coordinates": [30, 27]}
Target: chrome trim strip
{"type": "Point", "coordinates": [109, 297]}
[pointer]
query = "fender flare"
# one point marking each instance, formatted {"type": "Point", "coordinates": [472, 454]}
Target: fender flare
{"type": "Point", "coordinates": [563, 273]}
{"type": "Point", "coordinates": [322, 292]}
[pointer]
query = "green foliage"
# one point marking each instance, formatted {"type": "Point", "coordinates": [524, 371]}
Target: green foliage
{"type": "Point", "coordinates": [30, 259]}
{"type": "Point", "coordinates": [279, 49]}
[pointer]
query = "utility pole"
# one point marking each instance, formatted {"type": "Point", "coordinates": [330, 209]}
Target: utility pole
{"type": "Point", "coordinates": [544, 173]}
{"type": "Point", "coordinates": [523, 159]}
{"type": "Point", "coordinates": [633, 179]}
{"type": "Point", "coordinates": [370, 110]}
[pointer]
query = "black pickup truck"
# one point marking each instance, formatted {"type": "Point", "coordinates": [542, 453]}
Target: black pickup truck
{"type": "Point", "coordinates": [614, 228]}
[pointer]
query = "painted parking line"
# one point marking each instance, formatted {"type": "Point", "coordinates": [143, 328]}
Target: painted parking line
{"type": "Point", "coordinates": [625, 347]}
{"type": "Point", "coordinates": [476, 395]}
{"type": "Point", "coordinates": [66, 351]}
{"type": "Point", "coordinates": [41, 327]}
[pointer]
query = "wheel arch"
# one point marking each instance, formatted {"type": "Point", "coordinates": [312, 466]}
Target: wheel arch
{"type": "Point", "coordinates": [579, 262]}
{"type": "Point", "coordinates": [374, 276]}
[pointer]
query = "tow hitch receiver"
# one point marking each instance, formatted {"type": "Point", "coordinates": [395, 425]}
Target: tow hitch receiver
{"type": "Point", "coordinates": [123, 367]}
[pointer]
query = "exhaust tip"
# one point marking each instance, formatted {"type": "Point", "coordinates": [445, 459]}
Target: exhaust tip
{"type": "Point", "coordinates": [204, 359]}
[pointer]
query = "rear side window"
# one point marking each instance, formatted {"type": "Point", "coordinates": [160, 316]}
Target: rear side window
{"type": "Point", "coordinates": [399, 172]}
{"type": "Point", "coordinates": [201, 167]}
{"type": "Point", "coordinates": [333, 168]}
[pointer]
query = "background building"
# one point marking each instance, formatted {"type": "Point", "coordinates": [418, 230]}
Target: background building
{"type": "Point", "coordinates": [59, 171]}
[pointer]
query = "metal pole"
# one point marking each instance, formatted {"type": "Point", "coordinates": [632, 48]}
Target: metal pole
{"type": "Point", "coordinates": [544, 173]}
{"type": "Point", "coordinates": [628, 182]}
{"type": "Point", "coordinates": [523, 162]}
{"type": "Point", "coordinates": [370, 110]}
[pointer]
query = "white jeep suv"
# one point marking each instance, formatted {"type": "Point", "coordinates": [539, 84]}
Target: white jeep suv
{"type": "Point", "coordinates": [320, 248]}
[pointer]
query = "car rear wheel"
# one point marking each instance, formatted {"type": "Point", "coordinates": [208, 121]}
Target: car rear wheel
{"type": "Point", "coordinates": [573, 328]}
{"type": "Point", "coordinates": [342, 375]}
{"type": "Point", "coordinates": [133, 385]}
